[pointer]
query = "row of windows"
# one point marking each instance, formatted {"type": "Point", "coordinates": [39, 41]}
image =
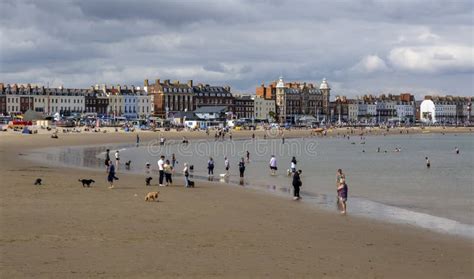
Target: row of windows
{"type": "Point", "coordinates": [214, 101]}
{"type": "Point", "coordinates": [244, 109]}
{"type": "Point", "coordinates": [177, 90]}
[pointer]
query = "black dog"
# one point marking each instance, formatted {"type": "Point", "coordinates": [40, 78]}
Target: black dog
{"type": "Point", "coordinates": [38, 181]}
{"type": "Point", "coordinates": [191, 183]}
{"type": "Point", "coordinates": [147, 180]}
{"type": "Point", "coordinates": [86, 182]}
{"type": "Point", "coordinates": [127, 165]}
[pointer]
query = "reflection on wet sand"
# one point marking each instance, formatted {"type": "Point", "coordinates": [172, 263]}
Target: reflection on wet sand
{"type": "Point", "coordinates": [91, 157]}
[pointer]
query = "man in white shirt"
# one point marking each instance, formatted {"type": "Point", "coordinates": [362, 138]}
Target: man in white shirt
{"type": "Point", "coordinates": [161, 169]}
{"type": "Point", "coordinates": [273, 165]}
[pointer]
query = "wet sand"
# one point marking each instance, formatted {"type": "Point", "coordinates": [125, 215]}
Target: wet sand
{"type": "Point", "coordinates": [61, 230]}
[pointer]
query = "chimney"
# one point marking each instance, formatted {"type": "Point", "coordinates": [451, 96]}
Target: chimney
{"type": "Point", "coordinates": [145, 83]}
{"type": "Point", "coordinates": [157, 81]}
{"type": "Point", "coordinates": [227, 88]}
{"type": "Point", "coordinates": [118, 88]}
{"type": "Point", "coordinates": [167, 81]}
{"type": "Point", "coordinates": [190, 83]}
{"type": "Point", "coordinates": [176, 82]}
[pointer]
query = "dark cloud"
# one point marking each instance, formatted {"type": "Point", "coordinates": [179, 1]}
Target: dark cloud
{"type": "Point", "coordinates": [366, 45]}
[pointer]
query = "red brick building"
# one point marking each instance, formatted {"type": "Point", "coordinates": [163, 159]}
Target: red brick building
{"type": "Point", "coordinates": [171, 97]}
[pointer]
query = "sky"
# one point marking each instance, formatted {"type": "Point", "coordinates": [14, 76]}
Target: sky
{"type": "Point", "coordinates": [360, 47]}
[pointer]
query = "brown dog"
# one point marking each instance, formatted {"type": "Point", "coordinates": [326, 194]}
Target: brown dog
{"type": "Point", "coordinates": [152, 196]}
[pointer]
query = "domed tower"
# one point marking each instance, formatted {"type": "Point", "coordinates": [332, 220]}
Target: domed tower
{"type": "Point", "coordinates": [325, 91]}
{"type": "Point", "coordinates": [281, 100]}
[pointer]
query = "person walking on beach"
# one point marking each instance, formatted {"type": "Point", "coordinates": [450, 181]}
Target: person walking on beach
{"type": "Point", "coordinates": [227, 166]}
{"type": "Point", "coordinates": [242, 168]}
{"type": "Point", "coordinates": [168, 172]}
{"type": "Point", "coordinates": [456, 150]}
{"type": "Point", "coordinates": [107, 160]}
{"type": "Point", "coordinates": [293, 165]}
{"type": "Point", "coordinates": [186, 175]}
{"type": "Point", "coordinates": [273, 165]}
{"type": "Point", "coordinates": [428, 163]}
{"type": "Point", "coordinates": [161, 170]}
{"type": "Point", "coordinates": [111, 175]}
{"type": "Point", "coordinates": [247, 154]}
{"type": "Point", "coordinates": [138, 140]}
{"type": "Point", "coordinates": [173, 160]}
{"type": "Point", "coordinates": [210, 167]}
{"type": "Point", "coordinates": [342, 191]}
{"type": "Point", "coordinates": [296, 185]}
{"type": "Point", "coordinates": [117, 158]}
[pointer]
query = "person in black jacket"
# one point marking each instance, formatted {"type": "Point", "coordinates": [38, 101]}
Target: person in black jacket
{"type": "Point", "coordinates": [296, 185]}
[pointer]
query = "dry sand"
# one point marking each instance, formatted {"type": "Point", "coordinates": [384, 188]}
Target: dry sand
{"type": "Point", "coordinates": [61, 230]}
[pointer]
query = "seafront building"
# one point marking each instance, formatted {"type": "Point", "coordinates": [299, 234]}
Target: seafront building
{"type": "Point", "coordinates": [264, 109]}
{"type": "Point", "coordinates": [284, 102]}
{"type": "Point", "coordinates": [446, 109]}
{"type": "Point", "coordinates": [381, 109]}
{"type": "Point", "coordinates": [244, 106]}
{"type": "Point", "coordinates": [294, 99]}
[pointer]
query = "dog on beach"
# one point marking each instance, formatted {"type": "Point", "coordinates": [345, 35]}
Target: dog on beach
{"type": "Point", "coordinates": [38, 181]}
{"type": "Point", "coordinates": [86, 182]}
{"type": "Point", "coordinates": [147, 181]}
{"type": "Point", "coordinates": [191, 183]}
{"type": "Point", "coordinates": [127, 165]}
{"type": "Point", "coordinates": [152, 196]}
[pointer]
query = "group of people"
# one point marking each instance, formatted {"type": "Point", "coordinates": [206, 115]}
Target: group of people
{"type": "Point", "coordinates": [166, 170]}
{"type": "Point", "coordinates": [341, 185]}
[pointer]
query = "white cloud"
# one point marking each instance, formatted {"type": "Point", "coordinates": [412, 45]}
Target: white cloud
{"type": "Point", "coordinates": [370, 64]}
{"type": "Point", "coordinates": [433, 59]}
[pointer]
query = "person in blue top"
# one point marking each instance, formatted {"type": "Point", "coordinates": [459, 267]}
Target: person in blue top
{"type": "Point", "coordinates": [210, 167]}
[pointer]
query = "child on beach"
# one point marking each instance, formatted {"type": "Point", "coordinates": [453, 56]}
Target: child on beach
{"type": "Point", "coordinates": [173, 160]}
{"type": "Point", "coordinates": [117, 158]}
{"type": "Point", "coordinates": [293, 165]}
{"type": "Point", "coordinates": [342, 191]}
{"type": "Point", "coordinates": [428, 163]}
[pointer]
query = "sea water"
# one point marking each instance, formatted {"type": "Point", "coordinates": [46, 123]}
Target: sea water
{"type": "Point", "coordinates": [383, 182]}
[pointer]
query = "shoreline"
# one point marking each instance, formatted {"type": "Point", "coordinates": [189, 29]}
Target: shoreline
{"type": "Point", "coordinates": [380, 212]}
{"type": "Point", "coordinates": [63, 230]}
